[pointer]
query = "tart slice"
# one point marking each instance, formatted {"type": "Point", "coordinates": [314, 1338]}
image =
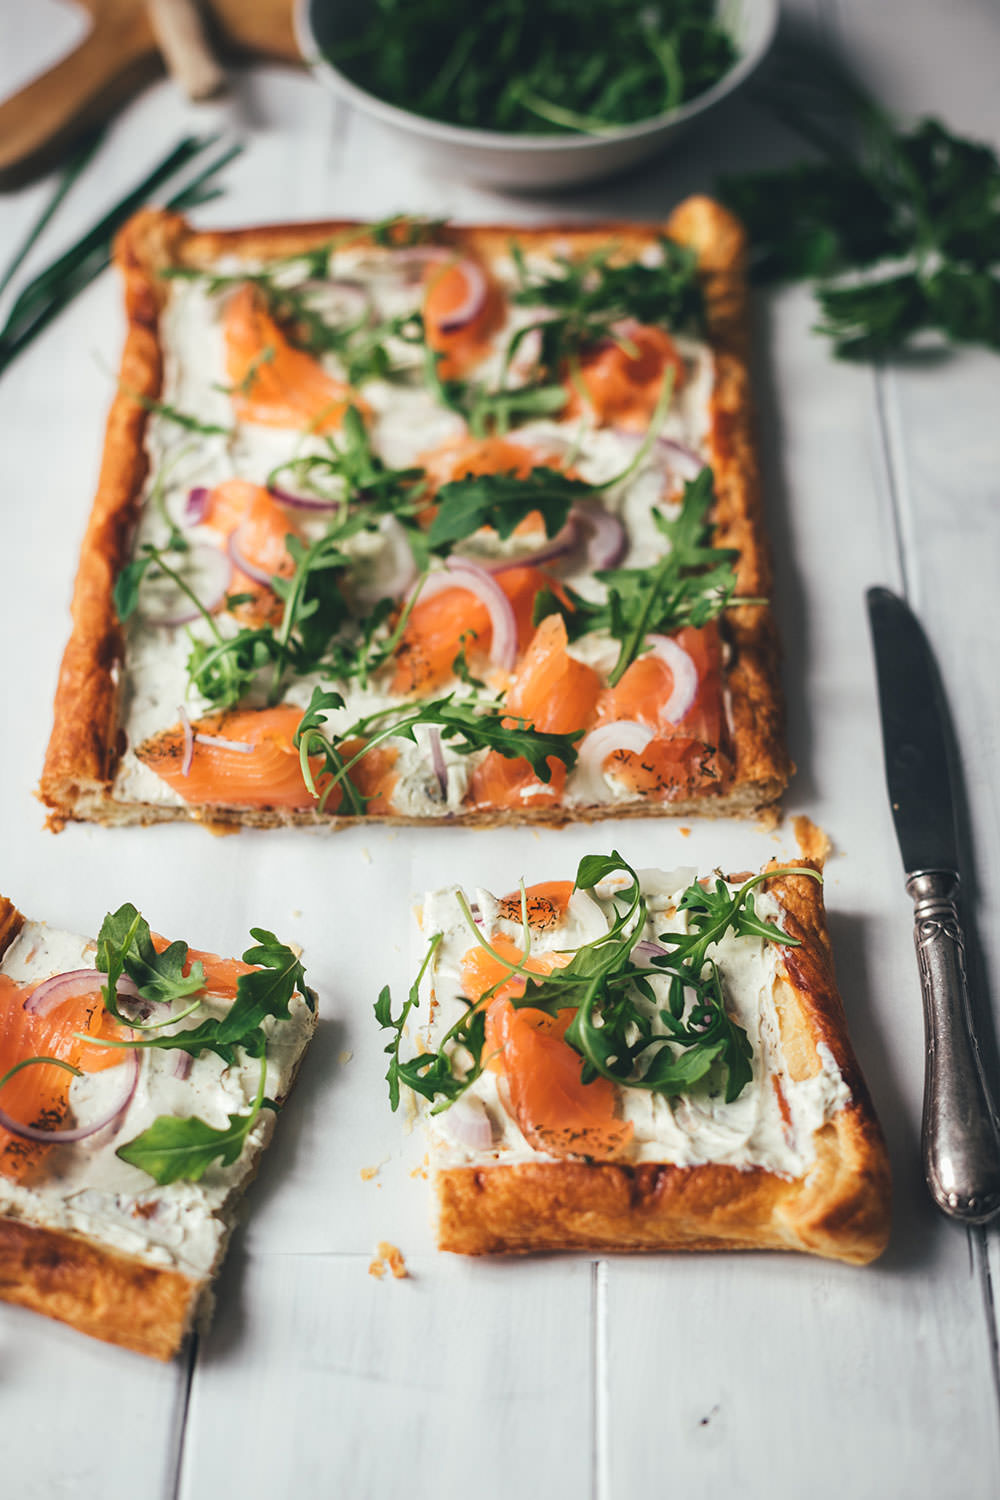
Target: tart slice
{"type": "Point", "coordinates": [642, 1061]}
{"type": "Point", "coordinates": [139, 1084]}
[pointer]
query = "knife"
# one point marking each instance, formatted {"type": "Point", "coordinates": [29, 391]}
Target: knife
{"type": "Point", "coordinates": [960, 1137]}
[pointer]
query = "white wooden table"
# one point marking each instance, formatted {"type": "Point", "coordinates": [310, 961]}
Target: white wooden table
{"type": "Point", "coordinates": [567, 1377]}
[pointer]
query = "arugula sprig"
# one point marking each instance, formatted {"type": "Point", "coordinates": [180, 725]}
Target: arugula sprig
{"type": "Point", "coordinates": [503, 501]}
{"type": "Point", "coordinates": [585, 299]}
{"type": "Point", "coordinates": [468, 724]}
{"type": "Point", "coordinates": [125, 946]}
{"type": "Point", "coordinates": [691, 585]}
{"type": "Point", "coordinates": [620, 1027]}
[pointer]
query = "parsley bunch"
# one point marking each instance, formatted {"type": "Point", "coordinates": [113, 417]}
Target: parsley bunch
{"type": "Point", "coordinates": [899, 226]}
{"type": "Point", "coordinates": [620, 1027]}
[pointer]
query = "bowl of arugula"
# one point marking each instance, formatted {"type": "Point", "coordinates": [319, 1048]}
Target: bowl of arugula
{"type": "Point", "coordinates": [535, 94]}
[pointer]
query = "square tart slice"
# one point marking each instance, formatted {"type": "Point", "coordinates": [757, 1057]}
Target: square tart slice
{"type": "Point", "coordinates": [126, 1247]}
{"type": "Point", "coordinates": [759, 1134]}
{"type": "Point", "coordinates": [495, 489]}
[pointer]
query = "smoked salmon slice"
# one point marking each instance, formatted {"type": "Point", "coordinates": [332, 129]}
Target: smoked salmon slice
{"type": "Point", "coordinates": [270, 773]}
{"type": "Point", "coordinates": [448, 290]}
{"type": "Point", "coordinates": [39, 1095]}
{"type": "Point", "coordinates": [273, 383]}
{"type": "Point", "coordinates": [437, 626]}
{"type": "Point", "coordinates": [249, 516]}
{"type": "Point", "coordinates": [558, 695]}
{"type": "Point", "coordinates": [624, 385]}
{"type": "Point", "coordinates": [556, 1112]}
{"type": "Point", "coordinates": [684, 757]}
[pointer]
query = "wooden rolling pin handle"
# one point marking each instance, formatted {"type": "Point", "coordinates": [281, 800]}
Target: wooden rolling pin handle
{"type": "Point", "coordinates": [180, 36]}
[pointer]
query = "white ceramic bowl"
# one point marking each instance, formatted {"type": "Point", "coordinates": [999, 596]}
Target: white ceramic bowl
{"type": "Point", "coordinates": [530, 162]}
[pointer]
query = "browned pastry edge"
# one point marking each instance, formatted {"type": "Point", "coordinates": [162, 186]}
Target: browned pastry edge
{"type": "Point", "coordinates": [86, 739]}
{"type": "Point", "coordinates": [96, 1289]}
{"type": "Point", "coordinates": [840, 1209]}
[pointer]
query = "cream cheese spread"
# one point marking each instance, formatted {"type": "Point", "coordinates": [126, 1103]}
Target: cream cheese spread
{"type": "Point", "coordinates": [86, 1189]}
{"type": "Point", "coordinates": [771, 1125]}
{"type": "Point", "coordinates": [407, 422]}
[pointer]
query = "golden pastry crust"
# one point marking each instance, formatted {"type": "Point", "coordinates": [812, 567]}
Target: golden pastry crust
{"type": "Point", "coordinates": [840, 1209]}
{"type": "Point", "coordinates": [87, 741]}
{"type": "Point", "coordinates": [97, 1290]}
{"type": "Point", "coordinates": [106, 1293]}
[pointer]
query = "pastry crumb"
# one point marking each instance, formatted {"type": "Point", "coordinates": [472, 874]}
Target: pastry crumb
{"type": "Point", "coordinates": [685, 833]}
{"type": "Point", "coordinates": [345, 1056]}
{"type": "Point", "coordinates": [367, 1173]}
{"type": "Point", "coordinates": [421, 1170]}
{"type": "Point", "coordinates": [813, 841]}
{"type": "Point", "coordinates": [388, 1258]}
{"type": "Point", "coordinates": [366, 855]}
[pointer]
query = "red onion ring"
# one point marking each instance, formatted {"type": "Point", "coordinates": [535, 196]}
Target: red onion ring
{"type": "Point", "coordinates": [647, 949]}
{"type": "Point", "coordinates": [394, 568]}
{"type": "Point", "coordinates": [684, 673]}
{"type": "Point", "coordinates": [70, 986]}
{"type": "Point", "coordinates": [178, 610]}
{"type": "Point", "coordinates": [259, 575]}
{"type": "Point", "coordinates": [196, 505]}
{"type": "Point", "coordinates": [437, 759]}
{"type": "Point", "coordinates": [608, 540]}
{"type": "Point", "coordinates": [469, 1125]}
{"type": "Point", "coordinates": [558, 546]}
{"type": "Point", "coordinates": [223, 744]}
{"type": "Point", "coordinates": [182, 1066]}
{"type": "Point", "coordinates": [691, 463]}
{"type": "Point", "coordinates": [459, 573]}
{"type": "Point", "coordinates": [301, 502]}
{"type": "Point", "coordinates": [80, 1132]}
{"type": "Point", "coordinates": [188, 740]}
{"type": "Point", "coordinates": [619, 734]}
{"type": "Point", "coordinates": [474, 301]}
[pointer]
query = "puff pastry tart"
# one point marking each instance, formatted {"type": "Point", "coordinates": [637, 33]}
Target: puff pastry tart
{"type": "Point", "coordinates": [641, 1061]}
{"type": "Point", "coordinates": [139, 1082]}
{"type": "Point", "coordinates": [422, 523]}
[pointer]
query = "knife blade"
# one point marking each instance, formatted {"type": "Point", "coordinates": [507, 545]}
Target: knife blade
{"type": "Point", "coordinates": [960, 1135]}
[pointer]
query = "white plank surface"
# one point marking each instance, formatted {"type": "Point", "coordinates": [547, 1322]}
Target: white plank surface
{"type": "Point", "coordinates": [566, 1377]}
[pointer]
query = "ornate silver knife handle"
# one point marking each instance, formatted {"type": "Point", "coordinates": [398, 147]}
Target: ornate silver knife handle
{"type": "Point", "coordinates": [961, 1141]}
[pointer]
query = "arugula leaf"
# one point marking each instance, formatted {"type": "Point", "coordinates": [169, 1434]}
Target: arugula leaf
{"type": "Point", "coordinates": [503, 501]}
{"type": "Point", "coordinates": [172, 1149]}
{"type": "Point", "coordinates": [691, 585]}
{"type": "Point", "coordinates": [265, 992]}
{"type": "Point", "coordinates": [125, 945]}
